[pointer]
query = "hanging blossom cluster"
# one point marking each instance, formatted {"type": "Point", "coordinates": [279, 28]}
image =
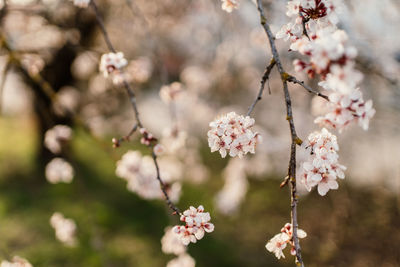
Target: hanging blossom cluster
{"type": "Point", "coordinates": [65, 229]}
{"type": "Point", "coordinates": [229, 5]}
{"type": "Point", "coordinates": [140, 173]}
{"type": "Point", "coordinates": [313, 33]}
{"type": "Point", "coordinates": [81, 3]}
{"type": "Point", "coordinates": [197, 223]}
{"type": "Point", "coordinates": [172, 244]}
{"type": "Point", "coordinates": [279, 242]}
{"type": "Point", "coordinates": [16, 262]}
{"type": "Point", "coordinates": [59, 170]}
{"type": "Point", "coordinates": [57, 137]}
{"type": "Point", "coordinates": [322, 168]}
{"type": "Point", "coordinates": [233, 133]}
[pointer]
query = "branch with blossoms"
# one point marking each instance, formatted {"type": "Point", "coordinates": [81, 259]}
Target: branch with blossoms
{"type": "Point", "coordinates": [313, 33]}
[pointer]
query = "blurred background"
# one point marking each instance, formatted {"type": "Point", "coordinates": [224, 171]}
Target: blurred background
{"type": "Point", "coordinates": [49, 75]}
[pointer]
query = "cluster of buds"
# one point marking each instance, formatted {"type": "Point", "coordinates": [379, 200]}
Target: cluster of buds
{"type": "Point", "coordinates": [322, 167]}
{"type": "Point", "coordinates": [229, 5]}
{"type": "Point", "coordinates": [279, 242]}
{"type": "Point", "coordinates": [81, 3]}
{"type": "Point", "coordinates": [197, 223]}
{"type": "Point", "coordinates": [233, 133]}
{"type": "Point", "coordinates": [147, 137]}
{"type": "Point", "coordinates": [112, 63]}
{"type": "Point", "coordinates": [313, 33]}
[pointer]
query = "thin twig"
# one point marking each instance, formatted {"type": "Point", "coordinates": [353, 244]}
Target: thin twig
{"type": "Point", "coordinates": [132, 98]}
{"type": "Point", "coordinates": [264, 79]}
{"type": "Point", "coordinates": [295, 139]}
{"type": "Point", "coordinates": [307, 87]}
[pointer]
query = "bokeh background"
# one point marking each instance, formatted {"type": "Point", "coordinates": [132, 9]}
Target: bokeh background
{"type": "Point", "coordinates": [218, 59]}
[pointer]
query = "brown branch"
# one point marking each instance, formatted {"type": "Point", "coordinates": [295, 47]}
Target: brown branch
{"type": "Point", "coordinates": [132, 98]}
{"type": "Point", "coordinates": [295, 139]}
{"type": "Point", "coordinates": [293, 79]}
{"type": "Point", "coordinates": [264, 79]}
{"type": "Point", "coordinates": [3, 82]}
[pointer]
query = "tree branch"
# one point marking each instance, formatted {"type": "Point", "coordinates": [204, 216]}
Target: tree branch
{"type": "Point", "coordinates": [293, 79]}
{"type": "Point", "coordinates": [132, 98]}
{"type": "Point", "coordinates": [295, 139]}
{"type": "Point", "coordinates": [264, 79]}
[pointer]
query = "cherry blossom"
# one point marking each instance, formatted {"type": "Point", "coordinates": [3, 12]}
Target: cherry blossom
{"type": "Point", "coordinates": [16, 262]}
{"type": "Point", "coordinates": [81, 3]}
{"type": "Point", "coordinates": [56, 137]}
{"type": "Point", "coordinates": [184, 260]}
{"type": "Point", "coordinates": [65, 229]}
{"type": "Point", "coordinates": [171, 243]}
{"type": "Point", "coordinates": [279, 242]}
{"type": "Point", "coordinates": [233, 133]}
{"type": "Point", "coordinates": [229, 5]}
{"type": "Point", "coordinates": [140, 173]}
{"type": "Point", "coordinates": [322, 167]}
{"type": "Point", "coordinates": [111, 63]}
{"type": "Point", "coordinates": [169, 93]}
{"type": "Point", "coordinates": [197, 223]}
{"type": "Point", "coordinates": [59, 171]}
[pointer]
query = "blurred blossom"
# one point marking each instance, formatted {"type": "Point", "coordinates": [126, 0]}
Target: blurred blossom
{"type": "Point", "coordinates": [141, 176]}
{"type": "Point", "coordinates": [65, 229]}
{"type": "Point", "coordinates": [68, 99]}
{"type": "Point", "coordinates": [139, 70]}
{"type": "Point", "coordinates": [81, 3]}
{"type": "Point", "coordinates": [16, 262]}
{"type": "Point", "coordinates": [173, 139]}
{"type": "Point", "coordinates": [171, 243]}
{"type": "Point", "coordinates": [234, 191]}
{"type": "Point", "coordinates": [169, 93]}
{"type": "Point", "coordinates": [33, 63]}
{"type": "Point", "coordinates": [196, 78]}
{"type": "Point", "coordinates": [229, 5]}
{"type": "Point", "coordinates": [57, 137]}
{"type": "Point", "coordinates": [184, 260]}
{"type": "Point", "coordinates": [84, 65]}
{"type": "Point", "coordinates": [59, 171]}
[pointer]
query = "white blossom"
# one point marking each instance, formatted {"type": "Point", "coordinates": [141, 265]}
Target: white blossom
{"type": "Point", "coordinates": [233, 133]}
{"type": "Point", "coordinates": [81, 3]}
{"type": "Point", "coordinates": [279, 242]}
{"type": "Point", "coordinates": [171, 243]}
{"type": "Point", "coordinates": [141, 176]}
{"type": "Point", "coordinates": [65, 229]}
{"type": "Point", "coordinates": [59, 171]}
{"type": "Point", "coordinates": [184, 260]}
{"type": "Point", "coordinates": [229, 5]}
{"type": "Point", "coordinates": [322, 167]}
{"type": "Point", "coordinates": [16, 262]}
{"type": "Point", "coordinates": [169, 93]}
{"type": "Point", "coordinates": [197, 223]}
{"type": "Point", "coordinates": [112, 63]}
{"type": "Point", "coordinates": [56, 137]}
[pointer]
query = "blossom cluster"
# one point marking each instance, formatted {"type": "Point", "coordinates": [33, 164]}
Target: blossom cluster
{"type": "Point", "coordinates": [172, 244]}
{"type": "Point", "coordinates": [81, 3]}
{"type": "Point", "coordinates": [197, 223]}
{"type": "Point", "coordinates": [140, 173]}
{"type": "Point", "coordinates": [112, 63]}
{"type": "Point", "coordinates": [279, 242]}
{"type": "Point", "coordinates": [322, 167]}
{"type": "Point", "coordinates": [313, 33]}
{"type": "Point", "coordinates": [16, 262]}
{"type": "Point", "coordinates": [65, 229]}
{"type": "Point", "coordinates": [233, 133]}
